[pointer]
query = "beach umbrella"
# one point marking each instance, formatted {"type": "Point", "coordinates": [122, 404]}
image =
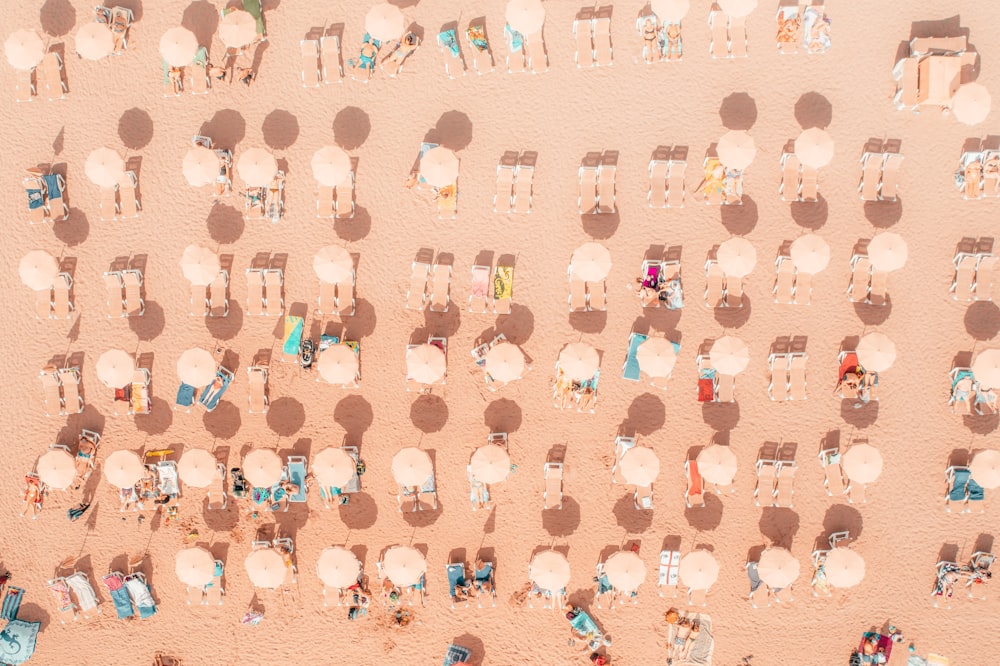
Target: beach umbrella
{"type": "Point", "coordinates": [984, 469]}
{"type": "Point", "coordinates": [56, 468]}
{"type": "Point", "coordinates": [439, 167]}
{"type": "Point", "coordinates": [385, 22]}
{"type": "Point", "coordinates": [737, 257]}
{"type": "Point", "coordinates": [426, 364]}
{"type": "Point", "coordinates": [195, 566]}
{"type": "Point", "coordinates": [237, 29]}
{"type": "Point", "coordinates": [257, 167]}
{"type": "Point", "coordinates": [579, 361]}
{"type": "Point", "coordinates": [200, 265]}
{"type": "Point", "coordinates": [266, 568]}
{"type": "Point", "coordinates": [411, 466]}
{"type": "Point", "coordinates": [262, 468]}
{"type": "Point", "coordinates": [717, 464]}
{"type": "Point", "coordinates": [404, 565]}
{"type": "Point", "coordinates": [115, 368]}
{"type": "Point", "coordinates": [887, 251]}
{"type": "Point", "coordinates": [338, 364]}
{"type": "Point", "coordinates": [505, 362]}
{"type": "Point", "coordinates": [971, 103]}
{"type": "Point", "coordinates": [737, 8]}
{"type": "Point", "coordinates": [490, 464]}
{"type": "Point", "coordinates": [736, 149]}
{"type": "Point", "coordinates": [862, 463]}
{"type": "Point", "coordinates": [656, 357]}
{"type": "Point", "coordinates": [94, 41]}
{"type": "Point", "coordinates": [178, 46]}
{"type": "Point", "coordinates": [104, 167]}
{"type": "Point", "coordinates": [876, 352]}
{"type": "Point", "coordinates": [591, 262]}
{"type": "Point", "coordinates": [844, 567]}
{"type": "Point", "coordinates": [24, 49]}
{"type": "Point", "coordinates": [729, 355]}
{"type": "Point", "coordinates": [331, 166]}
{"type": "Point", "coordinates": [338, 567]}
{"type": "Point", "coordinates": [640, 466]}
{"type": "Point", "coordinates": [986, 368]}
{"type": "Point", "coordinates": [625, 570]}
{"type": "Point", "coordinates": [333, 264]}
{"type": "Point", "coordinates": [333, 467]}
{"type": "Point", "coordinates": [123, 469]}
{"type": "Point", "coordinates": [670, 10]}
{"type": "Point", "coordinates": [197, 367]}
{"type": "Point", "coordinates": [198, 468]}
{"type": "Point", "coordinates": [549, 570]}
{"type": "Point", "coordinates": [38, 270]}
{"type": "Point", "coordinates": [698, 570]}
{"type": "Point", "coordinates": [810, 254]}
{"type": "Point", "coordinates": [525, 16]}
{"type": "Point", "coordinates": [200, 166]}
{"type": "Point", "coordinates": [777, 567]}
{"type": "Point", "coordinates": [814, 147]}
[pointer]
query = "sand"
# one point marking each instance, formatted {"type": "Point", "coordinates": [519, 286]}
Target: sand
{"type": "Point", "coordinates": [562, 114]}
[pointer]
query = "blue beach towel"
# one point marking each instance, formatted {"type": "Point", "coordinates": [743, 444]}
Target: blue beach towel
{"type": "Point", "coordinates": [631, 369]}
{"type": "Point", "coordinates": [12, 603]}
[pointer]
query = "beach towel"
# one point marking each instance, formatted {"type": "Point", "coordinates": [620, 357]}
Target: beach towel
{"type": "Point", "coordinates": [456, 577]}
{"type": "Point", "coordinates": [706, 389]}
{"type": "Point", "coordinates": [252, 618]}
{"type": "Point", "coordinates": [652, 277]}
{"type": "Point", "coordinates": [448, 39]}
{"type": "Point", "coordinates": [35, 199]}
{"type": "Point", "coordinates": [12, 603]}
{"type": "Point", "coordinates": [483, 575]}
{"type": "Point", "coordinates": [703, 646]}
{"type": "Point", "coordinates": [119, 596]}
{"type": "Point", "coordinates": [514, 39]}
{"type": "Point", "coordinates": [60, 593]}
{"type": "Point", "coordinates": [253, 8]}
{"type": "Point", "coordinates": [503, 283]}
{"type": "Point", "coordinates": [260, 495]}
{"type": "Point", "coordinates": [293, 335]}
{"type": "Point", "coordinates": [201, 57]}
{"type": "Point", "coordinates": [82, 589]}
{"type": "Point", "coordinates": [138, 591]}
{"type": "Point", "coordinates": [210, 398]}
{"type": "Point", "coordinates": [631, 369]}
{"type": "Point", "coordinates": [17, 641]}
{"type": "Point", "coordinates": [185, 395]}
{"type": "Point", "coordinates": [815, 31]}
{"type": "Point", "coordinates": [297, 475]}
{"type": "Point", "coordinates": [477, 37]}
{"type": "Point", "coordinates": [52, 186]}
{"type": "Point", "coordinates": [456, 654]}
{"type": "Point", "coordinates": [583, 624]}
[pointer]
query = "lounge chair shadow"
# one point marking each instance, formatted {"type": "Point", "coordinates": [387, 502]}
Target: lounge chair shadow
{"type": "Point", "coordinates": [354, 415]}
{"type": "Point", "coordinates": [842, 518]}
{"type": "Point", "coordinates": [429, 413]}
{"type": "Point", "coordinates": [601, 226]}
{"type": "Point", "coordinates": [740, 220]}
{"type": "Point", "coordinates": [633, 520]}
{"type": "Point", "coordinates": [565, 521]}
{"type": "Point", "coordinates": [859, 417]}
{"type": "Point", "coordinates": [813, 110]}
{"type": "Point", "coordinates": [74, 229]}
{"type": "Point", "coordinates": [362, 323]}
{"type": "Point", "coordinates": [159, 418]}
{"type": "Point", "coordinates": [135, 128]}
{"type": "Point", "coordinates": [202, 18]}
{"type": "Point", "coordinates": [588, 322]}
{"type": "Point", "coordinates": [518, 325]}
{"type": "Point", "coordinates": [355, 228]}
{"type": "Point", "coordinates": [360, 513]}
{"type": "Point", "coordinates": [646, 415]}
{"type": "Point", "coordinates": [705, 518]}
{"type": "Point", "coordinates": [734, 317]}
{"type": "Point", "coordinates": [811, 214]}
{"type": "Point", "coordinates": [224, 421]}
{"type": "Point", "coordinates": [981, 425]}
{"type": "Point", "coordinates": [59, 141]}
{"type": "Point", "coordinates": [351, 127]}
{"type": "Point", "coordinates": [226, 328]}
{"type": "Point", "coordinates": [286, 416]}
{"type": "Point", "coordinates": [884, 214]}
{"type": "Point", "coordinates": [984, 543]}
{"type": "Point", "coordinates": [280, 129]}
{"type": "Point", "coordinates": [779, 525]}
{"type": "Point", "coordinates": [873, 315]}
{"type": "Point", "coordinates": [738, 111]}
{"type": "Point", "coordinates": [225, 224]}
{"type": "Point", "coordinates": [982, 320]}
{"type": "Point", "coordinates": [503, 415]}
{"type": "Point", "coordinates": [721, 415]}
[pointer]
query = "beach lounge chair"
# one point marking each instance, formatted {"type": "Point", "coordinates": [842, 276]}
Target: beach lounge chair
{"type": "Point", "coordinates": [985, 268]}
{"type": "Point", "coordinates": [870, 186]}
{"type": "Point", "coordinates": [255, 292]}
{"type": "Point", "coordinates": [346, 304]}
{"type": "Point", "coordinates": [426, 499]}
{"type": "Point", "coordinates": [34, 187]}
{"type": "Point", "coordinates": [503, 289]}
{"type": "Point", "coordinates": [767, 474]}
{"type": "Point", "coordinates": [218, 295]}
{"type": "Point", "coordinates": [603, 51]}
{"type": "Point", "coordinates": [597, 296]}
{"type": "Point", "coordinates": [553, 492]}
{"type": "Point", "coordinates": [292, 339]}
{"type": "Point", "coordinates": [809, 189]}
{"type": "Point", "coordinates": [196, 79]}
{"type": "Point", "coordinates": [55, 186]}
{"type": "Point", "coordinates": [447, 42]}
{"type": "Point", "coordinates": [128, 200]}
{"type": "Point", "coordinates": [606, 188]}
{"type": "Point", "coordinates": [670, 563]}
{"type": "Point", "coordinates": [416, 295]}
{"type": "Point", "coordinates": [877, 291]}
{"type": "Point", "coordinates": [139, 400]}
{"type": "Point", "coordinates": [86, 599]}
{"type": "Point", "coordinates": [784, 283]}
{"type": "Point", "coordinates": [797, 376]}
{"type": "Point", "coordinates": [456, 654]}
{"type": "Point", "coordinates": [274, 198]}
{"type": "Point", "coordinates": [185, 397]}
{"type": "Point", "coordinates": [906, 73]}
{"type": "Point", "coordinates": [777, 389]}
{"type": "Point", "coordinates": [643, 497]}
{"type": "Point", "coordinates": [199, 300]}
{"type": "Point", "coordinates": [49, 76]}
{"type": "Point", "coordinates": [534, 48]}
{"type": "Point", "coordinates": [578, 299]}
{"type": "Point", "coordinates": [697, 597]}
{"type": "Point", "coordinates": [326, 301]}
{"type": "Point", "coordinates": [135, 306]}
{"type": "Point", "coordinates": [790, 183]}
{"type": "Point", "coordinates": [517, 58]}
{"type": "Point", "coordinates": [583, 30]}
{"type": "Point", "coordinates": [725, 387]}
{"type": "Point", "coordinates": [630, 370]}
{"type": "Point", "coordinates": [480, 297]}
{"type": "Point", "coordinates": [214, 592]}
{"type": "Point", "coordinates": [456, 579]}
{"type": "Point", "coordinates": [121, 21]}
{"type": "Point", "coordinates": [479, 492]}
{"type": "Point", "coordinates": [24, 85]}
{"type": "Point", "coordinates": [961, 398]}
{"type": "Point", "coordinates": [861, 271]}
{"type": "Point", "coordinates": [657, 195]}
{"type": "Point", "coordinates": [755, 584]}
{"type": "Point", "coordinates": [440, 288]}
{"type": "Point", "coordinates": [734, 292]}
{"type": "Point", "coordinates": [479, 47]}
{"type": "Point", "coordinates": [43, 303]}
{"type": "Point", "coordinates": [855, 492]}
{"type": "Point", "coordinates": [715, 292]}
{"type": "Point", "coordinates": [333, 68]}
{"type": "Point", "coordinates": [965, 277]}
{"type": "Point", "coordinates": [503, 199]}
{"type": "Point", "coordinates": [69, 381]}
{"type": "Point", "coordinates": [59, 589]}
{"type": "Point", "coordinates": [719, 29]}
{"type": "Point", "coordinates": [789, 29]}
{"type": "Point", "coordinates": [650, 276]}
{"type": "Point", "coordinates": [694, 493]}
{"type": "Point", "coordinates": [675, 184]}
{"type": "Point", "coordinates": [785, 488]}
{"type": "Point", "coordinates": [253, 208]}
{"type": "Point", "coordinates": [890, 176]}
{"type": "Point", "coordinates": [217, 490]}
{"type": "Point", "coordinates": [211, 395]}
{"type": "Point", "coordinates": [115, 582]}
{"type": "Point", "coordinates": [257, 383]}
{"type": "Point", "coordinates": [523, 185]}
{"type": "Point", "coordinates": [344, 198]}
{"type": "Point", "coordinates": [803, 288]}
{"type": "Point", "coordinates": [138, 592]}
{"type": "Point", "coordinates": [108, 203]}
{"type": "Point", "coordinates": [114, 294]}
{"type": "Point", "coordinates": [62, 304]}
{"type": "Point", "coordinates": [708, 380]}
{"type": "Point", "coordinates": [309, 49]}
{"type": "Point", "coordinates": [324, 202]}
{"type": "Point", "coordinates": [956, 493]}
{"type": "Point", "coordinates": [588, 199]}
{"type": "Point", "coordinates": [274, 300]}
{"type": "Point", "coordinates": [296, 472]}
{"type": "Point", "coordinates": [738, 37]}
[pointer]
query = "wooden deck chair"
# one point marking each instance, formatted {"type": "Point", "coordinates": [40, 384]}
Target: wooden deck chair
{"type": "Point", "coordinates": [345, 198]}
{"type": "Point", "coordinates": [199, 300]}
{"type": "Point", "coordinates": [809, 189]}
{"type": "Point", "coordinates": [790, 183]}
{"type": "Point", "coordinates": [597, 296]}
{"type": "Point", "coordinates": [326, 302]}
{"type": "Point", "coordinates": [62, 304]}
{"type": "Point", "coordinates": [725, 388]}
{"type": "Point", "coordinates": [69, 381]}
{"type": "Point", "coordinates": [870, 186]}
{"type": "Point", "coordinates": [734, 291]}
{"type": "Point", "coordinates": [717, 25]}
{"type": "Point", "coordinates": [777, 389]}
{"type": "Point", "coordinates": [833, 480]}
{"type": "Point", "coordinates": [890, 176]}
{"type": "Point", "coordinates": [879, 287]}
{"type": "Point", "coordinates": [346, 303]}
{"type": "Point", "coordinates": [534, 48]}
{"type": "Point", "coordinates": [503, 198]}
{"type": "Point", "coordinates": [43, 303]}
{"type": "Point", "coordinates": [738, 37]}
{"type": "Point", "coordinates": [309, 48]}
{"type": "Point", "coordinates": [333, 69]}
{"type": "Point", "coordinates": [324, 202]}
{"type": "Point", "coordinates": [694, 493]}
{"type": "Point", "coordinates": [274, 300]}
{"type": "Point", "coordinates": [606, 188]}
{"type": "Point", "coordinates": [416, 295]}
{"type": "Point", "coordinates": [985, 268]}
{"type": "Point", "coordinates": [135, 306]}
{"type": "Point", "coordinates": [767, 474]}
{"type": "Point", "coordinates": [797, 376]}
{"type": "Point", "coordinates": [524, 188]}
{"type": "Point", "coordinates": [587, 201]}
{"type": "Point", "coordinates": [657, 196]}
{"type": "Point", "coordinates": [108, 205]}
{"type": "Point", "coordinates": [51, 394]}
{"type": "Point", "coordinates": [803, 288]}
{"type": "Point", "coordinates": [784, 282]}
{"type": "Point", "coordinates": [603, 50]}
{"type": "Point", "coordinates": [255, 292]}
{"type": "Point", "coordinates": [714, 284]}
{"type": "Point", "coordinates": [965, 277]}
{"type": "Point", "coordinates": [218, 295]}
{"type": "Point", "coordinates": [479, 47]}
{"type": "Point", "coordinates": [553, 492]}
{"type": "Point", "coordinates": [24, 85]}
{"type": "Point", "coordinates": [49, 76]}
{"type": "Point", "coordinates": [114, 294]}
{"type": "Point", "coordinates": [856, 493]}
{"type": "Point", "coordinates": [861, 271]}
{"type": "Point", "coordinates": [577, 300]}
{"type": "Point", "coordinates": [257, 383]}
{"type": "Point", "coordinates": [440, 288]}
{"type": "Point", "coordinates": [128, 200]}
{"type": "Point", "coordinates": [675, 184]}
{"type": "Point", "coordinates": [583, 30]}
{"type": "Point", "coordinates": [785, 488]}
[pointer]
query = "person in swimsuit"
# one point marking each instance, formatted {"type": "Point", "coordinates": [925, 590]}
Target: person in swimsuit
{"type": "Point", "coordinates": [404, 47]}
{"type": "Point", "coordinates": [84, 461]}
{"type": "Point", "coordinates": [33, 497]}
{"type": "Point", "coordinates": [672, 42]}
{"type": "Point", "coordinates": [676, 647]}
{"type": "Point", "coordinates": [651, 47]}
{"type": "Point", "coordinates": [365, 61]}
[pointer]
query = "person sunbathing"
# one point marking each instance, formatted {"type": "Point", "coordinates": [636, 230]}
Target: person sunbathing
{"type": "Point", "coordinates": [365, 61]}
{"type": "Point", "coordinates": [676, 647]}
{"type": "Point", "coordinates": [419, 589]}
{"type": "Point", "coordinates": [213, 390]}
{"type": "Point", "coordinates": [788, 29]}
{"type": "Point", "coordinates": [84, 461]}
{"type": "Point", "coordinates": [245, 75]}
{"type": "Point", "coordinates": [973, 179]}
{"type": "Point", "coordinates": [33, 496]}
{"type": "Point", "coordinates": [216, 72]}
{"type": "Point", "coordinates": [672, 48]}
{"type": "Point", "coordinates": [174, 77]}
{"type": "Point", "coordinates": [651, 47]}
{"type": "Point", "coordinates": [986, 400]}
{"type": "Point", "coordinates": [692, 637]}
{"type": "Point", "coordinates": [404, 47]}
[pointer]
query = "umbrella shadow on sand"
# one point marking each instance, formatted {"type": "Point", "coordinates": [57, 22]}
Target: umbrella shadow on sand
{"type": "Point", "coordinates": [135, 128]}
{"type": "Point", "coordinates": [562, 522]}
{"type": "Point", "coordinates": [429, 413]}
{"type": "Point", "coordinates": [202, 18]}
{"type": "Point", "coordinates": [286, 416]}
{"type": "Point", "coordinates": [503, 415]}
{"type": "Point", "coordinates": [57, 17]}
{"type": "Point", "coordinates": [360, 513]}
{"type": "Point", "coordinates": [779, 525]}
{"type": "Point", "coordinates": [705, 518]}
{"type": "Point", "coordinates": [840, 518]}
{"type": "Point", "coordinates": [738, 111]}
{"type": "Point", "coordinates": [351, 127]}
{"type": "Point", "coordinates": [633, 520]}
{"type": "Point", "coordinates": [354, 415]}
{"type": "Point", "coordinates": [813, 110]}
{"type": "Point", "coordinates": [982, 320]}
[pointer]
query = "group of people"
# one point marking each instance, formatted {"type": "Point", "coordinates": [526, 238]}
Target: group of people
{"type": "Point", "coordinates": [661, 290]}
{"type": "Point", "coordinates": [856, 382]}
{"type": "Point", "coordinates": [979, 168]}
{"type": "Point", "coordinates": [812, 30]}
{"type": "Point", "coordinates": [35, 491]}
{"type": "Point", "coordinates": [967, 389]}
{"type": "Point", "coordinates": [567, 392]}
{"type": "Point", "coordinates": [660, 42]}
{"type": "Point", "coordinates": [949, 574]}
{"type": "Point", "coordinates": [391, 593]}
{"type": "Point", "coordinates": [363, 66]}
{"type": "Point", "coordinates": [474, 582]}
{"type": "Point", "coordinates": [721, 185]}
{"type": "Point", "coordinates": [681, 635]}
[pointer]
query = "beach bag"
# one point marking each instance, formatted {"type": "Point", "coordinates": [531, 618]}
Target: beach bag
{"type": "Point", "coordinates": [706, 390]}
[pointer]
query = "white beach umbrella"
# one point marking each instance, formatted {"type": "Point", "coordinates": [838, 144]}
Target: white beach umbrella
{"type": "Point", "coordinates": [115, 368]}
{"type": "Point", "coordinates": [876, 352]}
{"type": "Point", "coordinates": [333, 467]}
{"type": "Point", "coordinates": [862, 463]}
{"type": "Point", "coordinates": [178, 46]}
{"type": "Point", "coordinates": [737, 8]}
{"type": "Point", "coordinates": [549, 570]}
{"type": "Point", "coordinates": [698, 570]}
{"type": "Point", "coordinates": [266, 568]}
{"type": "Point", "coordinates": [404, 565]}
{"type": "Point", "coordinates": [198, 468]}
{"type": "Point", "coordinates": [262, 468]}
{"type": "Point", "coordinates": [237, 29]}
{"type": "Point", "coordinates": [729, 355]}
{"type": "Point", "coordinates": [333, 264]}
{"type": "Point", "coordinates": [426, 364]}
{"type": "Point", "coordinates": [736, 149]}
{"type": "Point", "coordinates": [579, 361]}
{"type": "Point", "coordinates": [104, 167]}
{"type": "Point", "coordinates": [200, 265]}
{"type": "Point", "coordinates": [200, 166]}
{"type": "Point", "coordinates": [670, 10]}
{"type": "Point", "coordinates": [656, 357]}
{"type": "Point", "coordinates": [717, 464]}
{"type": "Point", "coordinates": [777, 567]}
{"type": "Point", "coordinates": [24, 49]}
{"type": "Point", "coordinates": [844, 568]}
{"type": "Point", "coordinates": [338, 567]}
{"type": "Point", "coordinates": [810, 253]}
{"type": "Point", "coordinates": [490, 464]}
{"type": "Point", "coordinates": [94, 41]}
{"type": "Point", "coordinates": [505, 362]}
{"type": "Point", "coordinates": [525, 16]}
{"type": "Point", "coordinates": [887, 251]}
{"type": "Point", "coordinates": [330, 166]}
{"type": "Point", "coordinates": [985, 469]}
{"type": "Point", "coordinates": [56, 469]}
{"type": "Point", "coordinates": [971, 103]}
{"type": "Point", "coordinates": [591, 262]}
{"type": "Point", "coordinates": [986, 368]}
{"type": "Point", "coordinates": [640, 466]}
{"type": "Point", "coordinates": [197, 367]}
{"type": "Point", "coordinates": [195, 566]}
{"type": "Point", "coordinates": [38, 270]}
{"type": "Point", "coordinates": [338, 364]}
{"type": "Point", "coordinates": [439, 167]}
{"type": "Point", "coordinates": [737, 257]}
{"type": "Point", "coordinates": [257, 167]}
{"type": "Point", "coordinates": [411, 466]}
{"type": "Point", "coordinates": [625, 570]}
{"type": "Point", "coordinates": [123, 469]}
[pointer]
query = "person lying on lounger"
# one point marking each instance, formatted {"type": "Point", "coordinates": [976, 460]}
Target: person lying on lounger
{"type": "Point", "coordinates": [84, 461]}
{"type": "Point", "coordinates": [393, 62]}
{"type": "Point", "coordinates": [973, 179]}
{"type": "Point", "coordinates": [33, 497]}
{"type": "Point", "coordinates": [365, 61]}
{"type": "Point", "coordinates": [671, 41]}
{"type": "Point", "coordinates": [174, 77]}
{"type": "Point", "coordinates": [651, 50]}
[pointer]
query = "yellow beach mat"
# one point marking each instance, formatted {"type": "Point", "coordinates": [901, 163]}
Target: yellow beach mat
{"type": "Point", "coordinates": [503, 283]}
{"type": "Point", "coordinates": [293, 335]}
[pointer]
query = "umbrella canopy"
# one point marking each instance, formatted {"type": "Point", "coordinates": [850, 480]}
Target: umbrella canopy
{"type": "Point", "coordinates": [698, 570]}
{"type": "Point", "coordinates": [591, 262]}
{"type": "Point", "coordinates": [237, 29]}
{"type": "Point", "coordinates": [38, 270]}
{"type": "Point", "coordinates": [505, 362]}
{"type": "Point", "coordinates": [385, 22]}
{"type": "Point", "coordinates": [844, 568]}
{"type": "Point", "coordinates": [412, 467]}
{"type": "Point", "coordinates": [257, 167]}
{"type": "Point", "coordinates": [425, 363]}
{"type": "Point", "coordinates": [625, 570]}
{"type": "Point", "coordinates": [737, 257]}
{"type": "Point", "coordinates": [525, 16]}
{"type": "Point", "coordinates": [115, 368]}
{"type": "Point", "coordinates": [717, 464]}
{"type": "Point", "coordinates": [178, 46]}
{"type": "Point", "coordinates": [56, 469]}
{"type": "Point", "coordinates": [814, 147]}
{"type": "Point", "coordinates": [196, 367]}
{"type": "Point", "coordinates": [24, 49]}
{"type": "Point", "coordinates": [333, 264]}
{"type": "Point", "coordinates": [729, 355]}
{"type": "Point", "coordinates": [200, 166]}
{"type": "Point", "coordinates": [971, 103]}
{"type": "Point", "coordinates": [198, 468]}
{"type": "Point", "coordinates": [404, 565]}
{"type": "Point", "coordinates": [670, 10]}
{"type": "Point", "coordinates": [810, 254]}
{"type": "Point", "coordinates": [262, 468]}
{"type": "Point", "coordinates": [338, 364]}
{"type": "Point", "coordinates": [986, 368]}
{"type": "Point", "coordinates": [439, 167]}
{"type": "Point", "coordinates": [887, 251]}
{"type": "Point", "coordinates": [862, 463]}
{"type": "Point", "coordinates": [338, 567]}
{"type": "Point", "coordinates": [200, 265]}
{"type": "Point", "coordinates": [738, 8]}
{"type": "Point", "coordinates": [640, 466]}
{"type": "Point", "coordinates": [549, 570]}
{"type": "Point", "coordinates": [195, 566]}
{"type": "Point", "coordinates": [333, 467]}
{"type": "Point", "coordinates": [736, 149]}
{"type": "Point", "coordinates": [94, 41]}
{"type": "Point", "coordinates": [777, 567]}
{"type": "Point", "coordinates": [490, 464]}
{"type": "Point", "coordinates": [876, 352]}
{"type": "Point", "coordinates": [656, 357]}
{"type": "Point", "coordinates": [331, 165]}
{"type": "Point", "coordinates": [579, 361]}
{"type": "Point", "coordinates": [104, 167]}
{"type": "Point", "coordinates": [123, 469]}
{"type": "Point", "coordinates": [266, 568]}
{"type": "Point", "coordinates": [984, 469]}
